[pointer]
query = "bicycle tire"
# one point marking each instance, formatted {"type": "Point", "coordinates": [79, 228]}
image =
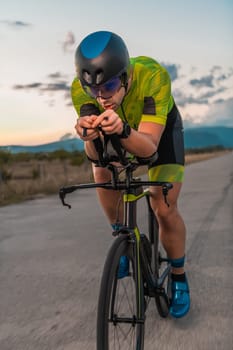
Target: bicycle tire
{"type": "Point", "coordinates": [114, 324]}
{"type": "Point", "coordinates": [162, 300]}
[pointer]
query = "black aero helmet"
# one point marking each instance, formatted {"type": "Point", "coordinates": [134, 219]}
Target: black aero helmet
{"type": "Point", "coordinates": [101, 56]}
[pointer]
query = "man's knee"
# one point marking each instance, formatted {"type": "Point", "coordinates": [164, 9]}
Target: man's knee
{"type": "Point", "coordinates": [162, 210]}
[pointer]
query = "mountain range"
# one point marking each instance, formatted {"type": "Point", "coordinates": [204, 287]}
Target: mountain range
{"type": "Point", "coordinates": [208, 136]}
{"type": "Point", "coordinates": [71, 144]}
{"type": "Point", "coordinates": [201, 137]}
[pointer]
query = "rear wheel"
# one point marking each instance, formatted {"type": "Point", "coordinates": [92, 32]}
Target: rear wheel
{"type": "Point", "coordinates": [120, 319]}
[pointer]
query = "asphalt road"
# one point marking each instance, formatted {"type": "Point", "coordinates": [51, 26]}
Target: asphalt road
{"type": "Point", "coordinates": [51, 260]}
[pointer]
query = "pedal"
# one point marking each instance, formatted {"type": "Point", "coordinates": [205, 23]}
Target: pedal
{"type": "Point", "coordinates": [115, 233]}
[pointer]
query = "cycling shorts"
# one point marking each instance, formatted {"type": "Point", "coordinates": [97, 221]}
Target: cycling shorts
{"type": "Point", "coordinates": [169, 166]}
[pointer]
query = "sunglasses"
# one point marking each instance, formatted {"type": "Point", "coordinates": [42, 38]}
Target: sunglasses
{"type": "Point", "coordinates": [105, 90]}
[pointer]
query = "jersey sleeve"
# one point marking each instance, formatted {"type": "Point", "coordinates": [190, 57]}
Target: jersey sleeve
{"type": "Point", "coordinates": [158, 100]}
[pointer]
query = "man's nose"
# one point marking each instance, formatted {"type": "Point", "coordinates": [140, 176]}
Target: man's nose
{"type": "Point", "coordinates": [104, 98]}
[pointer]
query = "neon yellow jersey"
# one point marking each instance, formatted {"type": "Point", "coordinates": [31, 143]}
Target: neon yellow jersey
{"type": "Point", "coordinates": [149, 98]}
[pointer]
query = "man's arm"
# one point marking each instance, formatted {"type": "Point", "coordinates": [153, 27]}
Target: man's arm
{"type": "Point", "coordinates": [142, 143]}
{"type": "Point", "coordinates": [145, 141]}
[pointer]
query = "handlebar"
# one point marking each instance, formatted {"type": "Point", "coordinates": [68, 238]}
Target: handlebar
{"type": "Point", "coordinates": [129, 165]}
{"type": "Point", "coordinates": [120, 185]}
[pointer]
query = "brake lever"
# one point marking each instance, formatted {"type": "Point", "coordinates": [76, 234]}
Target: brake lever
{"type": "Point", "coordinates": [165, 189]}
{"type": "Point", "coordinates": [62, 195]}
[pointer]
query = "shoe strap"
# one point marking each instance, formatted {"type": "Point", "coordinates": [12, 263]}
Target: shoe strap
{"type": "Point", "coordinates": [180, 286]}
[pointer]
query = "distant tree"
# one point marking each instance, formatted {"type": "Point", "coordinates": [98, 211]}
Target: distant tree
{"type": "Point", "coordinates": [5, 175]}
{"type": "Point", "coordinates": [5, 157]}
{"type": "Point", "coordinates": [78, 158]}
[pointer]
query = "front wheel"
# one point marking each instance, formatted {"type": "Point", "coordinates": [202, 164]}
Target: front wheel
{"type": "Point", "coordinates": [161, 270]}
{"type": "Point", "coordinates": [120, 318]}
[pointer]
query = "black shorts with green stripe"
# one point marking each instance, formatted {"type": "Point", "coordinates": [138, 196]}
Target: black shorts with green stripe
{"type": "Point", "coordinates": [170, 163]}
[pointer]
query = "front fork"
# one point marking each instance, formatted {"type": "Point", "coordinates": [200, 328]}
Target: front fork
{"type": "Point", "coordinates": [134, 239]}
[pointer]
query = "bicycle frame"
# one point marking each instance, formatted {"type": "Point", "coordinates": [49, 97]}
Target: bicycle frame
{"type": "Point", "coordinates": [132, 192]}
{"type": "Point", "coordinates": [130, 199]}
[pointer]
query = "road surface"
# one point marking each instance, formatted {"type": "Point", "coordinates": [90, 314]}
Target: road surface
{"type": "Point", "coordinates": [51, 260]}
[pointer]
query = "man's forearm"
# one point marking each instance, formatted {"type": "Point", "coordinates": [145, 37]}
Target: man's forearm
{"type": "Point", "coordinates": [139, 144]}
{"type": "Point", "coordinates": [90, 150]}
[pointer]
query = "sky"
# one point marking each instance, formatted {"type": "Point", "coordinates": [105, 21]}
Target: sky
{"type": "Point", "coordinates": [192, 39]}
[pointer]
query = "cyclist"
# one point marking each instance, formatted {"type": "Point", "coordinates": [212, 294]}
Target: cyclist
{"type": "Point", "coordinates": [132, 97]}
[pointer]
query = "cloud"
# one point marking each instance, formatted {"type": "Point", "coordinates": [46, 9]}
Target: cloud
{"type": "Point", "coordinates": [61, 86]}
{"type": "Point", "coordinates": [220, 113]}
{"type": "Point", "coordinates": [16, 24]}
{"type": "Point", "coordinates": [182, 99]}
{"type": "Point", "coordinates": [68, 42]}
{"type": "Point", "coordinates": [206, 89]}
{"type": "Point", "coordinates": [213, 93]}
{"type": "Point", "coordinates": [195, 103]}
{"type": "Point", "coordinates": [222, 77]}
{"type": "Point", "coordinates": [215, 68]}
{"type": "Point", "coordinates": [214, 78]}
{"type": "Point", "coordinates": [172, 70]}
{"type": "Point", "coordinates": [56, 75]}
{"type": "Point", "coordinates": [205, 99]}
{"type": "Point", "coordinates": [58, 85]}
{"type": "Point", "coordinates": [27, 86]}
{"type": "Point", "coordinates": [206, 81]}
{"type": "Point", "coordinates": [216, 113]}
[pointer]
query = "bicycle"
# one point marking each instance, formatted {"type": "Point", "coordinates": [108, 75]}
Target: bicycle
{"type": "Point", "coordinates": [123, 302]}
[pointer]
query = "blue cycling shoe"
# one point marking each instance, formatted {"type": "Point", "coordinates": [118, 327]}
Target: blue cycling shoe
{"type": "Point", "coordinates": [123, 269]}
{"type": "Point", "coordinates": [180, 303]}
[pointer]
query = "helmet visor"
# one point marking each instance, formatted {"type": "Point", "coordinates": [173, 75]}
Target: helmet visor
{"type": "Point", "coordinates": [105, 90]}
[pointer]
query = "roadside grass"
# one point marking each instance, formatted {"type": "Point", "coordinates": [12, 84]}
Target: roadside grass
{"type": "Point", "coordinates": [31, 176]}
{"type": "Point", "coordinates": [33, 179]}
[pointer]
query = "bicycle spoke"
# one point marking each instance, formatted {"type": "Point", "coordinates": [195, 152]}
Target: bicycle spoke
{"type": "Point", "coordinates": [125, 309]}
{"type": "Point", "coordinates": [123, 296]}
{"type": "Point", "coordinates": [118, 322]}
{"type": "Point", "coordinates": [124, 339]}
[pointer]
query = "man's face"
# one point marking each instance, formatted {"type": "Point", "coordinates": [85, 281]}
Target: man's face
{"type": "Point", "coordinates": [109, 95]}
{"type": "Point", "coordinates": [112, 102]}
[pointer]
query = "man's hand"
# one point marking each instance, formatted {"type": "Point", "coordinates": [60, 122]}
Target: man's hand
{"type": "Point", "coordinates": [109, 121]}
{"type": "Point", "coordinates": [85, 129]}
